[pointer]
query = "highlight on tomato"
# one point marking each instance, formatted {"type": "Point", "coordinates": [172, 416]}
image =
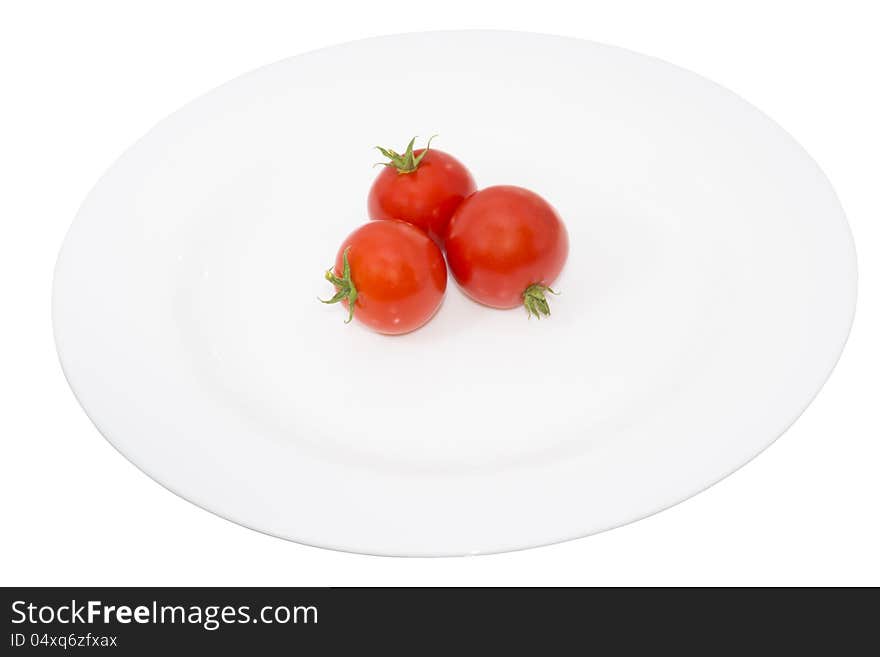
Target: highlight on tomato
{"type": "Point", "coordinates": [422, 187]}
{"type": "Point", "coordinates": [505, 246]}
{"type": "Point", "coordinates": [389, 275]}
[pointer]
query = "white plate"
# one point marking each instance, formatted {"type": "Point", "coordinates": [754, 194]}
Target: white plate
{"type": "Point", "coordinates": [709, 292]}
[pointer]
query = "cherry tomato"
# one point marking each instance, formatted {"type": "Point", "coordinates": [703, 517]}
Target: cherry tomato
{"type": "Point", "coordinates": [389, 275]}
{"type": "Point", "coordinates": [505, 247]}
{"type": "Point", "coordinates": [422, 187]}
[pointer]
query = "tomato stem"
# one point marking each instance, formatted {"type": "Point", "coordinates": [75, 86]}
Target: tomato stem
{"type": "Point", "coordinates": [409, 161]}
{"type": "Point", "coordinates": [535, 302]}
{"type": "Point", "coordinates": [345, 288]}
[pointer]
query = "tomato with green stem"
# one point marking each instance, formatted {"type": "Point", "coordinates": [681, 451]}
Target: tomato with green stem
{"type": "Point", "coordinates": [422, 187]}
{"type": "Point", "coordinates": [505, 247]}
{"type": "Point", "coordinates": [390, 276]}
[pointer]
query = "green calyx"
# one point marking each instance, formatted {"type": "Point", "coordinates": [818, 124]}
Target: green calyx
{"type": "Point", "coordinates": [345, 288]}
{"type": "Point", "coordinates": [408, 162]}
{"type": "Point", "coordinates": [535, 302]}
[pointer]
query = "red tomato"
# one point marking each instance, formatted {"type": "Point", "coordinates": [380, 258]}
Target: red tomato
{"type": "Point", "coordinates": [422, 187]}
{"type": "Point", "coordinates": [505, 247]}
{"type": "Point", "coordinates": [390, 276]}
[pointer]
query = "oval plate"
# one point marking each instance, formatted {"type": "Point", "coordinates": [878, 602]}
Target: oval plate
{"type": "Point", "coordinates": [708, 294]}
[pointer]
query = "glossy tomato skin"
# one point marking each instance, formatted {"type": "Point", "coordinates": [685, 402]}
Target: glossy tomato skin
{"type": "Point", "coordinates": [426, 197]}
{"type": "Point", "coordinates": [503, 239]}
{"type": "Point", "coordinates": [399, 273]}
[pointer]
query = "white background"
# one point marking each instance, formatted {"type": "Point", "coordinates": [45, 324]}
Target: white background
{"type": "Point", "coordinates": [79, 82]}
